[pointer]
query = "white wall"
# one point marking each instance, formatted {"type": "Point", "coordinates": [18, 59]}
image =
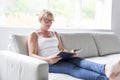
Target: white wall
{"type": "Point", "coordinates": [115, 24]}
{"type": "Point", "coordinates": [6, 32]}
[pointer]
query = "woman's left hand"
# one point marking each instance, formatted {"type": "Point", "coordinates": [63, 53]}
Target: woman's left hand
{"type": "Point", "coordinates": [74, 54]}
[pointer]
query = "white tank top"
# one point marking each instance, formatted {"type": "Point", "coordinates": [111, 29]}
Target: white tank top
{"type": "Point", "coordinates": [47, 46]}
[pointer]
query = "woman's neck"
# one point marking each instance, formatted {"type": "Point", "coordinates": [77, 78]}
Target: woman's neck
{"type": "Point", "coordinates": [44, 33]}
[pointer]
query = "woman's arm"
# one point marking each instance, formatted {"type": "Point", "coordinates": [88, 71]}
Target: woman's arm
{"type": "Point", "coordinates": [59, 44]}
{"type": "Point", "coordinates": [33, 46]}
{"type": "Point", "coordinates": [62, 48]}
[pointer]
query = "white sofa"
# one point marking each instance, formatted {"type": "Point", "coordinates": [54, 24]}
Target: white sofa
{"type": "Point", "coordinates": [100, 47]}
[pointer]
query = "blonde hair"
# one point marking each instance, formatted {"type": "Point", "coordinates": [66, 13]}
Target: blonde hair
{"type": "Point", "coordinates": [45, 13]}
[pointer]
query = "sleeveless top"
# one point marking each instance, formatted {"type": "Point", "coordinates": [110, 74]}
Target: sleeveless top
{"type": "Point", "coordinates": [47, 46]}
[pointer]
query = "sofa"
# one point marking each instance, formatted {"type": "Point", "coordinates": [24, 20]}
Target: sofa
{"type": "Point", "coordinates": [15, 64]}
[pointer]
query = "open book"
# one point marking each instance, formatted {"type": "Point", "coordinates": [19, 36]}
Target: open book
{"type": "Point", "coordinates": [66, 55]}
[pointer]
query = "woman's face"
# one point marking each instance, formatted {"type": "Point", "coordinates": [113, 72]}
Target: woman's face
{"type": "Point", "coordinates": [46, 22]}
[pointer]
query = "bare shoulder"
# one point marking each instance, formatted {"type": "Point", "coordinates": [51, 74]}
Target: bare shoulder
{"type": "Point", "coordinates": [56, 33]}
{"type": "Point", "coordinates": [33, 35]}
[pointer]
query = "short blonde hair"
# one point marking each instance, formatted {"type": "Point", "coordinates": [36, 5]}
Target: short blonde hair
{"type": "Point", "coordinates": [45, 13]}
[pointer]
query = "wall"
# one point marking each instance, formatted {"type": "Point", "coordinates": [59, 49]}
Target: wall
{"type": "Point", "coordinates": [6, 32]}
{"type": "Point", "coordinates": [115, 24]}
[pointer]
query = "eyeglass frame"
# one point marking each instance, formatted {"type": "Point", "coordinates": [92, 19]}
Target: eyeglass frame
{"type": "Point", "coordinates": [48, 21]}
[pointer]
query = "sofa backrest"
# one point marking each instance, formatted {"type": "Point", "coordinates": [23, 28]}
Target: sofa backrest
{"type": "Point", "coordinates": [93, 44]}
{"type": "Point", "coordinates": [107, 43]}
{"type": "Point", "coordinates": [84, 41]}
{"type": "Point", "coordinates": [18, 44]}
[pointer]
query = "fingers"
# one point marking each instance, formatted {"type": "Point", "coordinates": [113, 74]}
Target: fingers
{"type": "Point", "coordinates": [58, 57]}
{"type": "Point", "coordinates": [72, 51]}
{"type": "Point", "coordinates": [74, 55]}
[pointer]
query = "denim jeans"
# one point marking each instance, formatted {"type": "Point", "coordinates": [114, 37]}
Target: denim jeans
{"type": "Point", "coordinates": [79, 68]}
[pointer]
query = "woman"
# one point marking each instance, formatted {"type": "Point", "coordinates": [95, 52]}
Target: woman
{"type": "Point", "coordinates": [45, 45]}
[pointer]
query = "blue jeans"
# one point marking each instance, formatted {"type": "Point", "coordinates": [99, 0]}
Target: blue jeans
{"type": "Point", "coordinates": [79, 68]}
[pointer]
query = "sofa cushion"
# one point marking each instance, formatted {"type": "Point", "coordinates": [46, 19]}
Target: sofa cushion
{"type": "Point", "coordinates": [18, 43]}
{"type": "Point", "coordinates": [60, 76]}
{"type": "Point", "coordinates": [84, 41]}
{"type": "Point", "coordinates": [107, 43]}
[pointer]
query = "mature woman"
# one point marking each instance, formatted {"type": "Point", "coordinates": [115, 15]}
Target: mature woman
{"type": "Point", "coordinates": [45, 45]}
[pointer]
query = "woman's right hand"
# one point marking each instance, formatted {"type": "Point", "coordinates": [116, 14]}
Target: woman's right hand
{"type": "Point", "coordinates": [53, 59]}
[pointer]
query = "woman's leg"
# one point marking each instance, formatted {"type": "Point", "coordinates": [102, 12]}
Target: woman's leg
{"type": "Point", "coordinates": [117, 77]}
{"type": "Point", "coordinates": [75, 71]}
{"type": "Point", "coordinates": [92, 66]}
{"type": "Point", "coordinates": [112, 70]}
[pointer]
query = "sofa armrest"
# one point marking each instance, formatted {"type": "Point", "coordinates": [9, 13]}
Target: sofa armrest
{"type": "Point", "coordinates": [15, 66]}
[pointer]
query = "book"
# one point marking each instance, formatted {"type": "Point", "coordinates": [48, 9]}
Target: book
{"type": "Point", "coordinates": [65, 55]}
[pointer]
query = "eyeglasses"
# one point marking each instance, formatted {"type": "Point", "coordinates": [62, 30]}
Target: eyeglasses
{"type": "Point", "coordinates": [48, 21]}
